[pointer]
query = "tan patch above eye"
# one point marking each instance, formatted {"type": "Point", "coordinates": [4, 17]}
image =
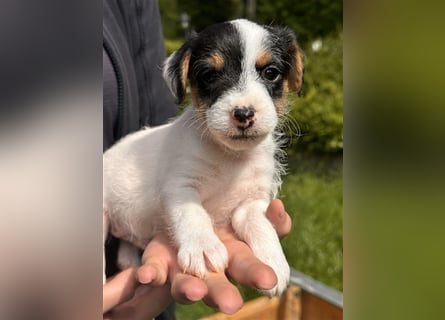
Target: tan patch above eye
{"type": "Point", "coordinates": [216, 60]}
{"type": "Point", "coordinates": [263, 58]}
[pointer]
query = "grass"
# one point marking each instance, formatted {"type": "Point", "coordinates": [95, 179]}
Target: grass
{"type": "Point", "coordinates": [312, 194]}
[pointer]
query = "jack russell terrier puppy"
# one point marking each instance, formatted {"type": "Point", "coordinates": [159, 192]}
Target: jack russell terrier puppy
{"type": "Point", "coordinates": [215, 164]}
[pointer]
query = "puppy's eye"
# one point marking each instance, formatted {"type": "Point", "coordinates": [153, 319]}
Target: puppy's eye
{"type": "Point", "coordinates": [271, 74]}
{"type": "Point", "coordinates": [208, 76]}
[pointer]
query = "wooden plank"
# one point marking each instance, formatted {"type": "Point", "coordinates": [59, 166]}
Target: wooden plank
{"type": "Point", "coordinates": [295, 304]}
{"type": "Point", "coordinates": [262, 308]}
{"type": "Point", "coordinates": [314, 308]}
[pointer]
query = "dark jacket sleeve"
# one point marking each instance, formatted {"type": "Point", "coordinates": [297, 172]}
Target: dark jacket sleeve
{"type": "Point", "coordinates": [133, 42]}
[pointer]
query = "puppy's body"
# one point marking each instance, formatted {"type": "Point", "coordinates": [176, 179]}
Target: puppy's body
{"type": "Point", "coordinates": [215, 164]}
{"type": "Point", "coordinates": [146, 169]}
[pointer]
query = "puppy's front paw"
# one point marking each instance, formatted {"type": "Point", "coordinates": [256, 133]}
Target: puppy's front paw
{"type": "Point", "coordinates": [273, 256]}
{"type": "Point", "coordinates": [205, 249]}
{"type": "Point", "coordinates": [263, 240]}
{"type": "Point", "coordinates": [282, 271]}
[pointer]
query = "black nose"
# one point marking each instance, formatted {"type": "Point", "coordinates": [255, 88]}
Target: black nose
{"type": "Point", "coordinates": [244, 114]}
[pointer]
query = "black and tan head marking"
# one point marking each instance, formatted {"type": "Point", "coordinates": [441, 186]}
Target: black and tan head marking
{"type": "Point", "coordinates": [233, 67]}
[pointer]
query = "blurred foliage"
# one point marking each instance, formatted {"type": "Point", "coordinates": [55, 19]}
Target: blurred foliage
{"type": "Point", "coordinates": [205, 13]}
{"type": "Point", "coordinates": [170, 14]}
{"type": "Point", "coordinates": [172, 45]}
{"type": "Point", "coordinates": [319, 109]}
{"type": "Point", "coordinates": [309, 19]}
{"type": "Point", "coordinates": [201, 13]}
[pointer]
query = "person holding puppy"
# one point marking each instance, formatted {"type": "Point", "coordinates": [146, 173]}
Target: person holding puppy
{"type": "Point", "coordinates": [135, 95]}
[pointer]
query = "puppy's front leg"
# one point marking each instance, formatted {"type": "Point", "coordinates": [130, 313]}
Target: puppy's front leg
{"type": "Point", "coordinates": [251, 225]}
{"type": "Point", "coordinates": [193, 233]}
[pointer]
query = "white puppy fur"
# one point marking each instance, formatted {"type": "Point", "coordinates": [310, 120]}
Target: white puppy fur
{"type": "Point", "coordinates": [206, 168]}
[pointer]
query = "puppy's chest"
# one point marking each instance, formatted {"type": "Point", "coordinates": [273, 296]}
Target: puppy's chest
{"type": "Point", "coordinates": [231, 183]}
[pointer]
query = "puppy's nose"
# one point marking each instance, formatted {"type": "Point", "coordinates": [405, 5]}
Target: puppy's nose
{"type": "Point", "coordinates": [244, 114]}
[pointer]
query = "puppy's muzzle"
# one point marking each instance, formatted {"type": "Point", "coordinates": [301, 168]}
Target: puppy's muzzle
{"type": "Point", "coordinates": [244, 117]}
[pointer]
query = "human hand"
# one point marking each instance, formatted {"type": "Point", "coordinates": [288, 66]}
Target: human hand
{"type": "Point", "coordinates": [161, 276]}
{"type": "Point", "coordinates": [160, 264]}
{"type": "Point", "coordinates": [125, 298]}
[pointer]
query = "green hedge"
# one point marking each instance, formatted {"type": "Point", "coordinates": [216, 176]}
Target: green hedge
{"type": "Point", "coordinates": [318, 110]}
{"type": "Point", "coordinates": [172, 45]}
{"type": "Point", "coordinates": [309, 19]}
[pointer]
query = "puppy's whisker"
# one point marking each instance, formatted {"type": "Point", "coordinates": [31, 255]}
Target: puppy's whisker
{"type": "Point", "coordinates": [194, 120]}
{"type": "Point", "coordinates": [289, 127]}
{"type": "Point", "coordinates": [204, 133]}
{"type": "Point", "coordinates": [290, 123]}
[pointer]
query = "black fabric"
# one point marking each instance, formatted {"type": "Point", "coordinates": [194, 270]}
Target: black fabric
{"type": "Point", "coordinates": [110, 101]}
{"type": "Point", "coordinates": [134, 42]}
{"type": "Point", "coordinates": [134, 93]}
{"type": "Point", "coordinates": [116, 46]}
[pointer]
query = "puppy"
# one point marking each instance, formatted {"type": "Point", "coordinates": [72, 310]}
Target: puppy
{"type": "Point", "coordinates": [216, 163]}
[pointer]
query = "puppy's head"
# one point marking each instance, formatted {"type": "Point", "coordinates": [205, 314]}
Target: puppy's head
{"type": "Point", "coordinates": [240, 74]}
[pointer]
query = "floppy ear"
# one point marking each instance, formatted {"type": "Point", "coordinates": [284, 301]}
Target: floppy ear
{"type": "Point", "coordinates": [176, 69]}
{"type": "Point", "coordinates": [296, 72]}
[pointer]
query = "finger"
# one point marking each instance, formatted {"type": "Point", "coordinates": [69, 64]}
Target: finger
{"type": "Point", "coordinates": [222, 294]}
{"type": "Point", "coordinates": [279, 218]}
{"type": "Point", "coordinates": [147, 303]}
{"type": "Point", "coordinates": [157, 257]}
{"type": "Point", "coordinates": [151, 273]}
{"type": "Point", "coordinates": [187, 289]}
{"type": "Point", "coordinates": [248, 270]}
{"type": "Point", "coordinates": [119, 289]}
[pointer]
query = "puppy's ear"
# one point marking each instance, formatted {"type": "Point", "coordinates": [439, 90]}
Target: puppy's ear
{"type": "Point", "coordinates": [296, 72]}
{"type": "Point", "coordinates": [176, 69]}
